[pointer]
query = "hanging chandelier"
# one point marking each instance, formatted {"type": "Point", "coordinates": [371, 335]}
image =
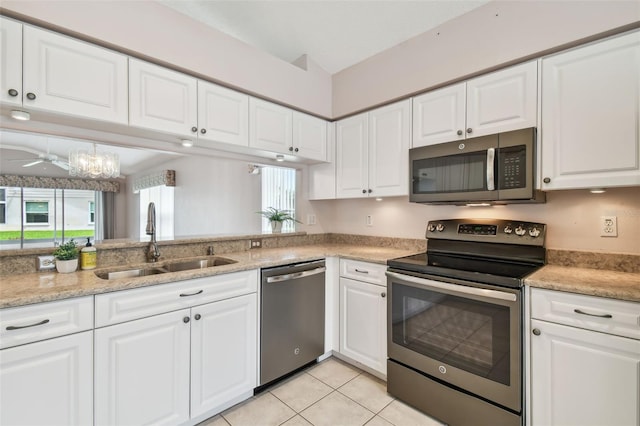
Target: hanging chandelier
{"type": "Point", "coordinates": [93, 164]}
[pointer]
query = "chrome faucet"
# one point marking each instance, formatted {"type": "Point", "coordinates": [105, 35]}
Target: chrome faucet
{"type": "Point", "coordinates": [153, 253]}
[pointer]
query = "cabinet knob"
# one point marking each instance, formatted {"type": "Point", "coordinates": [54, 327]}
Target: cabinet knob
{"type": "Point", "coordinates": [536, 331]}
{"type": "Point", "coordinates": [13, 92]}
{"type": "Point", "coordinates": [546, 180]}
{"type": "Point", "coordinates": [383, 294]}
{"type": "Point", "coordinates": [469, 130]}
{"type": "Point", "coordinates": [203, 131]}
{"type": "Point", "coordinates": [197, 316]}
{"type": "Point", "coordinates": [31, 96]}
{"type": "Point", "coordinates": [185, 320]}
{"type": "Point", "coordinates": [459, 132]}
{"type": "Point", "coordinates": [364, 191]}
{"type": "Point", "coordinates": [194, 129]}
{"type": "Point", "coordinates": [291, 148]}
{"type": "Point", "coordinates": [370, 191]}
{"type": "Point", "coordinates": [296, 150]}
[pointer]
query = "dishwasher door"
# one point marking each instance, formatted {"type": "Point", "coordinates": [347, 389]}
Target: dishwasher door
{"type": "Point", "coordinates": [292, 318]}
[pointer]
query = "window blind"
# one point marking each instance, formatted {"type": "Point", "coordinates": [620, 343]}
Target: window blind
{"type": "Point", "coordinates": [279, 191]}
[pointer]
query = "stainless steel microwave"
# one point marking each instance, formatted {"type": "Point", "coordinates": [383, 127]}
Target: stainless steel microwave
{"type": "Point", "coordinates": [494, 169]}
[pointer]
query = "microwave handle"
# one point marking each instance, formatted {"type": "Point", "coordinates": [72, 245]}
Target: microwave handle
{"type": "Point", "coordinates": [491, 155]}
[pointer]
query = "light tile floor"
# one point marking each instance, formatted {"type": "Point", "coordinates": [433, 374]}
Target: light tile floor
{"type": "Point", "coordinates": [331, 393]}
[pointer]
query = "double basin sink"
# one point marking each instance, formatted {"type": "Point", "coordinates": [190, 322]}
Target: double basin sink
{"type": "Point", "coordinates": [169, 266]}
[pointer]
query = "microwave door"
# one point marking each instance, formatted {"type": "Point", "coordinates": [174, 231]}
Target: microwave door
{"type": "Point", "coordinates": [515, 159]}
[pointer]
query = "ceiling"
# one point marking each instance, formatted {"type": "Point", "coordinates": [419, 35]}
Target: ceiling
{"type": "Point", "coordinates": [334, 34]}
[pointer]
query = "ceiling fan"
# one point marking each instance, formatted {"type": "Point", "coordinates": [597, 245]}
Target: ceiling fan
{"type": "Point", "coordinates": [41, 158]}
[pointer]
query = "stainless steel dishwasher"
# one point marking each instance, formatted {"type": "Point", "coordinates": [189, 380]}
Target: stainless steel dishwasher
{"type": "Point", "coordinates": [292, 318]}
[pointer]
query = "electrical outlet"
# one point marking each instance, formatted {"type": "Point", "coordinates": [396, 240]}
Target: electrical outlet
{"type": "Point", "coordinates": [369, 220]}
{"type": "Point", "coordinates": [311, 219]}
{"type": "Point", "coordinates": [256, 243]}
{"type": "Point", "coordinates": [608, 226]}
{"type": "Point", "coordinates": [45, 263]}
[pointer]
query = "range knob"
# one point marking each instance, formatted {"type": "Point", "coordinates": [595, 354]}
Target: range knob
{"type": "Point", "coordinates": [520, 231]}
{"type": "Point", "coordinates": [439, 227]}
{"type": "Point", "coordinates": [534, 232]}
{"type": "Point", "coordinates": [508, 229]}
{"type": "Point", "coordinates": [431, 227]}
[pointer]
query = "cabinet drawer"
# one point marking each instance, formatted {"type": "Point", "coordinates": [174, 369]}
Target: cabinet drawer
{"type": "Point", "coordinates": [26, 324]}
{"type": "Point", "coordinates": [121, 306]}
{"type": "Point", "coordinates": [589, 312]}
{"type": "Point", "coordinates": [363, 271]}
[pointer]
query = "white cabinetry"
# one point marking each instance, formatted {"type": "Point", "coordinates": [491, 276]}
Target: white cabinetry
{"type": "Point", "coordinates": [10, 62]}
{"type": "Point", "coordinates": [49, 380]}
{"type": "Point", "coordinates": [497, 102]}
{"type": "Point", "coordinates": [68, 76]}
{"type": "Point", "coordinates": [363, 314]}
{"type": "Point", "coordinates": [590, 126]}
{"type": "Point", "coordinates": [309, 137]}
{"type": "Point", "coordinates": [223, 114]}
{"type": "Point", "coordinates": [585, 360]}
{"type": "Point", "coordinates": [322, 177]}
{"type": "Point", "coordinates": [161, 99]}
{"type": "Point", "coordinates": [270, 126]}
{"type": "Point", "coordinates": [172, 367]}
{"type": "Point", "coordinates": [372, 152]}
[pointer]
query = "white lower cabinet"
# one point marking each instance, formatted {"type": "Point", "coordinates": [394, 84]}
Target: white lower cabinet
{"type": "Point", "coordinates": [363, 317]}
{"type": "Point", "coordinates": [48, 382]}
{"type": "Point", "coordinates": [580, 376]}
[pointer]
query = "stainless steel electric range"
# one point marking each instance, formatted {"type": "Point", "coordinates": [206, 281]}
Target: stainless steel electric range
{"type": "Point", "coordinates": [455, 326]}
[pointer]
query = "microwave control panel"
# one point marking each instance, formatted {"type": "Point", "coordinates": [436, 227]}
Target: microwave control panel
{"type": "Point", "coordinates": [513, 169]}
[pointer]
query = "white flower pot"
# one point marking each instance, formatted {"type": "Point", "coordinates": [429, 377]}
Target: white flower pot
{"type": "Point", "coordinates": [276, 227]}
{"type": "Point", "coordinates": [66, 266]}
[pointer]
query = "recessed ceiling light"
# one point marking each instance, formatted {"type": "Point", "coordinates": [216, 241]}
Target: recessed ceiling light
{"type": "Point", "coordinates": [478, 204]}
{"type": "Point", "coordinates": [597, 190]}
{"type": "Point", "coordinates": [279, 157]}
{"type": "Point", "coordinates": [20, 115]}
{"type": "Point", "coordinates": [186, 143]}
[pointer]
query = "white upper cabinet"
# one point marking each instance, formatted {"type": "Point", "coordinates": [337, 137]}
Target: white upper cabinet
{"type": "Point", "coordinates": [322, 177]}
{"type": "Point", "coordinates": [223, 114]}
{"type": "Point", "coordinates": [161, 99]}
{"type": "Point", "coordinates": [309, 137]}
{"type": "Point", "coordinates": [270, 126]}
{"type": "Point", "coordinates": [68, 76]}
{"type": "Point", "coordinates": [372, 152]}
{"type": "Point", "coordinates": [10, 62]}
{"type": "Point", "coordinates": [497, 102]}
{"type": "Point", "coordinates": [590, 107]}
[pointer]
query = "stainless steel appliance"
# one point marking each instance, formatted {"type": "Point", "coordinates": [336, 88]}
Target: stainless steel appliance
{"type": "Point", "coordinates": [292, 318]}
{"type": "Point", "coordinates": [455, 320]}
{"type": "Point", "coordinates": [497, 168]}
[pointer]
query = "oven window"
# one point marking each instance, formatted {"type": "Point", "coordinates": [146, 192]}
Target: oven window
{"type": "Point", "coordinates": [453, 173]}
{"type": "Point", "coordinates": [461, 332]}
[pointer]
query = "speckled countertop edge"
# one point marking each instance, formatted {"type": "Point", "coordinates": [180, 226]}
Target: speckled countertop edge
{"type": "Point", "coordinates": [591, 282]}
{"type": "Point", "coordinates": [26, 289]}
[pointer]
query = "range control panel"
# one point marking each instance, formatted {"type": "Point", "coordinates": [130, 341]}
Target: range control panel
{"type": "Point", "coordinates": [488, 230]}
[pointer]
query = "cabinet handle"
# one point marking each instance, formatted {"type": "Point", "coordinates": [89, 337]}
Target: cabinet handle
{"type": "Point", "coordinates": [361, 271]}
{"type": "Point", "coordinates": [459, 132]}
{"type": "Point", "coordinates": [185, 320]}
{"type": "Point", "coordinates": [194, 129]}
{"type": "Point", "coordinates": [469, 130]}
{"type": "Point", "coordinates": [203, 131]}
{"type": "Point", "coordinates": [536, 331]}
{"type": "Point", "coordinates": [546, 180]}
{"type": "Point", "coordinates": [198, 316]}
{"type": "Point", "coordinates": [31, 96]}
{"type": "Point", "coordinates": [581, 312]}
{"type": "Point", "coordinates": [18, 327]}
{"type": "Point", "coordinates": [13, 92]}
{"type": "Point", "coordinates": [190, 294]}
{"type": "Point", "coordinates": [383, 294]}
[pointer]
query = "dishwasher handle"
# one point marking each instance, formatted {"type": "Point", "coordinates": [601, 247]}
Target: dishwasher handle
{"type": "Point", "coordinates": [295, 275]}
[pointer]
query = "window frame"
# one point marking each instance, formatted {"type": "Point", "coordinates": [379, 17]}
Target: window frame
{"type": "Point", "coordinates": [3, 206]}
{"type": "Point", "coordinates": [26, 214]}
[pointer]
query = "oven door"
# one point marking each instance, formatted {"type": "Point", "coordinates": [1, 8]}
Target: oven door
{"type": "Point", "coordinates": [468, 336]}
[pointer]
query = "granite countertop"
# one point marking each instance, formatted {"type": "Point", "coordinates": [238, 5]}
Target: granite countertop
{"type": "Point", "coordinates": [592, 282]}
{"type": "Point", "coordinates": [25, 289]}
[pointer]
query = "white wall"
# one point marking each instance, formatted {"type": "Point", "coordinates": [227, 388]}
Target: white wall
{"type": "Point", "coordinates": [495, 34]}
{"type": "Point", "coordinates": [572, 217]}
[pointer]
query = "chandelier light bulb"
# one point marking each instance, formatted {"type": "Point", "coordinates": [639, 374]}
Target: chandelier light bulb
{"type": "Point", "coordinates": [94, 165]}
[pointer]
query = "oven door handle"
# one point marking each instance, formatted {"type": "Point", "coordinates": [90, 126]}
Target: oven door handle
{"type": "Point", "coordinates": [474, 291]}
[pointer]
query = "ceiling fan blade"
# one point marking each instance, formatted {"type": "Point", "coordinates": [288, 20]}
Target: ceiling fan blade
{"type": "Point", "coordinates": [33, 163]}
{"type": "Point", "coordinates": [60, 164]}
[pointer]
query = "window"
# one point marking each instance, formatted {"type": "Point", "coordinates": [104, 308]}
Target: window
{"type": "Point", "coordinates": [92, 212]}
{"type": "Point", "coordinates": [3, 206]}
{"type": "Point", "coordinates": [36, 212]}
{"type": "Point", "coordinates": [279, 191]}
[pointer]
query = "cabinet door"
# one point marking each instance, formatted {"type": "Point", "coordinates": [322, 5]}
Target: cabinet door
{"type": "Point", "coordinates": [223, 114]}
{"type": "Point", "coordinates": [223, 353]}
{"type": "Point", "coordinates": [270, 126]}
{"type": "Point", "coordinates": [10, 62]}
{"type": "Point", "coordinates": [352, 153]}
{"type": "Point", "coordinates": [363, 329]}
{"type": "Point", "coordinates": [309, 137]}
{"type": "Point", "coordinates": [590, 126]}
{"type": "Point", "coordinates": [68, 76]}
{"type": "Point", "coordinates": [322, 177]}
{"type": "Point", "coordinates": [142, 371]}
{"type": "Point", "coordinates": [162, 99]}
{"type": "Point", "coordinates": [48, 382]}
{"type": "Point", "coordinates": [439, 116]}
{"type": "Point", "coordinates": [503, 100]}
{"type": "Point", "coordinates": [583, 378]}
{"type": "Point", "coordinates": [389, 140]}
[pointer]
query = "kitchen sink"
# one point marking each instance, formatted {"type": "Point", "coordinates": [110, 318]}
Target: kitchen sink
{"type": "Point", "coordinates": [165, 267]}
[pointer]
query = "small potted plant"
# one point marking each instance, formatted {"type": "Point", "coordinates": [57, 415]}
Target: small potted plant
{"type": "Point", "coordinates": [277, 217]}
{"type": "Point", "coordinates": [66, 255]}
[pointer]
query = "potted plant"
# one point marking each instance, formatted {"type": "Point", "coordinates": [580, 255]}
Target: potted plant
{"type": "Point", "coordinates": [66, 255]}
{"type": "Point", "coordinates": [277, 217]}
